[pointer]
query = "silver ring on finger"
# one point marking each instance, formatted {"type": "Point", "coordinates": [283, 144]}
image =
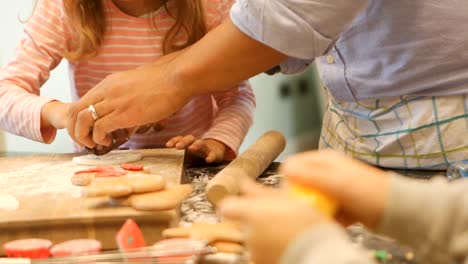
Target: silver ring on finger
{"type": "Point", "coordinates": [93, 112]}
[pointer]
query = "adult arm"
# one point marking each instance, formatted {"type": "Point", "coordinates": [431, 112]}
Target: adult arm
{"type": "Point", "coordinates": [222, 59]}
{"type": "Point", "coordinates": [225, 56]}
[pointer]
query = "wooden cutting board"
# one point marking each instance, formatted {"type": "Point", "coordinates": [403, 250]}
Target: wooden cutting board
{"type": "Point", "coordinates": [51, 207]}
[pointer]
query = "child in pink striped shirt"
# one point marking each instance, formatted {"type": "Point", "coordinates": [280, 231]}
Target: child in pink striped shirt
{"type": "Point", "coordinates": [100, 38]}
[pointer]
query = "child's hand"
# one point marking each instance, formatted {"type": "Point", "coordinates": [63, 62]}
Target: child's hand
{"type": "Point", "coordinates": [209, 149]}
{"type": "Point", "coordinates": [360, 190]}
{"type": "Point", "coordinates": [272, 219]}
{"type": "Point", "coordinates": [54, 114]}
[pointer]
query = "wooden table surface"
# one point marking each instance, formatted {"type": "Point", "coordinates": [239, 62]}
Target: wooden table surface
{"type": "Point", "coordinates": [52, 208]}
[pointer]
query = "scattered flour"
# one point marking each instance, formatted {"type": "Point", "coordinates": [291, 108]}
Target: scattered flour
{"type": "Point", "coordinates": [8, 202]}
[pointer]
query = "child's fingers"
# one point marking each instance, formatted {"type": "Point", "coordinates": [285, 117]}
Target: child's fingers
{"type": "Point", "coordinates": [185, 142]}
{"type": "Point", "coordinates": [173, 141]}
{"type": "Point", "coordinates": [202, 149]}
{"type": "Point", "coordinates": [211, 157]}
{"type": "Point", "coordinates": [199, 147]}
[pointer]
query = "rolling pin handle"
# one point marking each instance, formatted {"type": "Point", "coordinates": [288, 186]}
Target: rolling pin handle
{"type": "Point", "coordinates": [250, 164]}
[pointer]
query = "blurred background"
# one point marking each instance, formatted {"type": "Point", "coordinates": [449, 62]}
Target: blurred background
{"type": "Point", "coordinates": [290, 104]}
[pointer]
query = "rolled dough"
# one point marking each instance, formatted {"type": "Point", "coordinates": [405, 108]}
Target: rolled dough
{"type": "Point", "coordinates": [111, 158]}
{"type": "Point", "coordinates": [8, 202]}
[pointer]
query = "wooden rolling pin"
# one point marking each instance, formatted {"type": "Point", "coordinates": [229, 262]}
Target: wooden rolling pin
{"type": "Point", "coordinates": [252, 163]}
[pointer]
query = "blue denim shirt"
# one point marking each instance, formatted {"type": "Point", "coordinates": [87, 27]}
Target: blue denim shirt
{"type": "Point", "coordinates": [368, 49]}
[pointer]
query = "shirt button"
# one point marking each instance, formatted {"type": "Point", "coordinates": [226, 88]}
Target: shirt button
{"type": "Point", "coordinates": [330, 59]}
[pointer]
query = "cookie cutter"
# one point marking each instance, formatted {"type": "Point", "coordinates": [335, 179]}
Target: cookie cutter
{"type": "Point", "coordinates": [119, 137]}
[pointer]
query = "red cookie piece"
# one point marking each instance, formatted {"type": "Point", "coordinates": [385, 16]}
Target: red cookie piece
{"type": "Point", "coordinates": [111, 173]}
{"type": "Point", "coordinates": [33, 248]}
{"type": "Point", "coordinates": [103, 171]}
{"type": "Point", "coordinates": [132, 167]}
{"type": "Point", "coordinates": [95, 169]}
{"type": "Point", "coordinates": [129, 236]}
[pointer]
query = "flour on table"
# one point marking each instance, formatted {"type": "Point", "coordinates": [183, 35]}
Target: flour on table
{"type": "Point", "coordinates": [36, 179]}
{"type": "Point", "coordinates": [196, 208]}
{"type": "Point", "coordinates": [112, 158]}
{"type": "Point", "coordinates": [8, 202]}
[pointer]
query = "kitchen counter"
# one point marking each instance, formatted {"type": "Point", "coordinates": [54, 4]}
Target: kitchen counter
{"type": "Point", "coordinates": [197, 208]}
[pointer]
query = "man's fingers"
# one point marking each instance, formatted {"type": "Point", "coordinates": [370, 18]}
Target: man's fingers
{"type": "Point", "coordinates": [85, 123]}
{"type": "Point", "coordinates": [90, 98]}
{"type": "Point", "coordinates": [101, 131]}
{"type": "Point", "coordinates": [103, 126]}
{"type": "Point", "coordinates": [83, 128]}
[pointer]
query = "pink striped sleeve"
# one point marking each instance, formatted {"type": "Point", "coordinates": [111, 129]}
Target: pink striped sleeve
{"type": "Point", "coordinates": [234, 117]}
{"type": "Point", "coordinates": [37, 54]}
{"type": "Point", "coordinates": [217, 11]}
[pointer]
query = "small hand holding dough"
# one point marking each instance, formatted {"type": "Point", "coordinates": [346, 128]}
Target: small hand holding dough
{"type": "Point", "coordinates": [157, 201]}
{"type": "Point", "coordinates": [224, 231]}
{"type": "Point", "coordinates": [125, 185]}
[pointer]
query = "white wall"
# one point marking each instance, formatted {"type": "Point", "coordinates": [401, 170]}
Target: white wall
{"type": "Point", "coordinates": [2, 142]}
{"type": "Point", "coordinates": [58, 86]}
{"type": "Point", "coordinates": [297, 116]}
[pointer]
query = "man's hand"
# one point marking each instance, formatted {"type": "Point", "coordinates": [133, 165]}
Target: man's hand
{"type": "Point", "coordinates": [125, 100]}
{"type": "Point", "coordinates": [155, 91]}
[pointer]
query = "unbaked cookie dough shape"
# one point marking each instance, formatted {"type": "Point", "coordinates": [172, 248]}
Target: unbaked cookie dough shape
{"type": "Point", "coordinates": [115, 157]}
{"type": "Point", "coordinates": [124, 185]}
